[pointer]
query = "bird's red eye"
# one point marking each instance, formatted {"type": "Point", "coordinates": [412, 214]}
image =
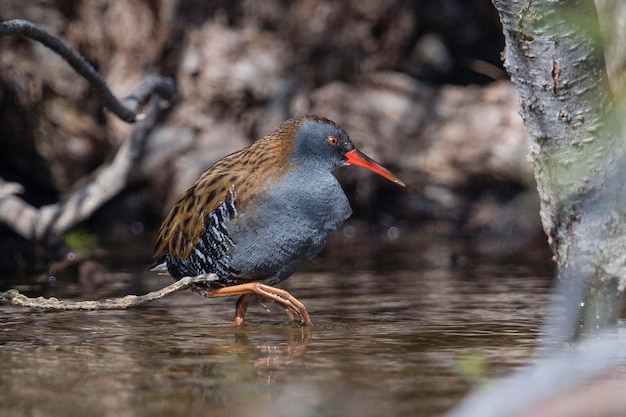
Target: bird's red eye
{"type": "Point", "coordinates": [332, 140]}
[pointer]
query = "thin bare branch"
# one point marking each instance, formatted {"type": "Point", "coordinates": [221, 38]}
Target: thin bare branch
{"type": "Point", "coordinates": [15, 298]}
{"type": "Point", "coordinates": [125, 109]}
{"type": "Point", "coordinates": [14, 211]}
{"type": "Point", "coordinates": [52, 221]}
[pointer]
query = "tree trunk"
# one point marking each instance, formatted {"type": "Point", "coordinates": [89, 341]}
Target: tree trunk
{"type": "Point", "coordinates": [554, 56]}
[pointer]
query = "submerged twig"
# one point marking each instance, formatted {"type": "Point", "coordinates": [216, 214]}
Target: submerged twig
{"type": "Point", "coordinates": [15, 298]}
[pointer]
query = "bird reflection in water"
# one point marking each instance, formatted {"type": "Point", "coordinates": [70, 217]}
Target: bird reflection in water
{"type": "Point", "coordinates": [270, 359]}
{"type": "Point", "coordinates": [264, 356]}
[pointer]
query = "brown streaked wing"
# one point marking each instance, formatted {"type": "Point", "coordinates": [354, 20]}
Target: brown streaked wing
{"type": "Point", "coordinates": [248, 170]}
{"type": "Point", "coordinates": [182, 227]}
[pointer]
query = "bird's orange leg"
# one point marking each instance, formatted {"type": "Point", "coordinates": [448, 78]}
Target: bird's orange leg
{"type": "Point", "coordinates": [241, 308]}
{"type": "Point", "coordinates": [290, 303]}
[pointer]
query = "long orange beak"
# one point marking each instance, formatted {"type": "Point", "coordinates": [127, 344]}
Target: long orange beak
{"type": "Point", "coordinates": [358, 158]}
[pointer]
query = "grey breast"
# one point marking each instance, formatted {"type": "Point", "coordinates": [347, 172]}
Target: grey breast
{"type": "Point", "coordinates": [286, 226]}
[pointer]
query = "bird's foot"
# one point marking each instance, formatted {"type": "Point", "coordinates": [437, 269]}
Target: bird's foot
{"type": "Point", "coordinates": [295, 310]}
{"type": "Point", "coordinates": [293, 307]}
{"type": "Point", "coordinates": [292, 318]}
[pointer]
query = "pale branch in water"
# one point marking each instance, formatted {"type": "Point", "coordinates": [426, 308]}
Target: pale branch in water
{"type": "Point", "coordinates": [52, 221]}
{"type": "Point", "coordinates": [15, 298]}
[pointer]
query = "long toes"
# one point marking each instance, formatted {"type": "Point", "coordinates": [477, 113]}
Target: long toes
{"type": "Point", "coordinates": [303, 316]}
{"type": "Point", "coordinates": [262, 303]}
{"type": "Point", "coordinates": [292, 309]}
{"type": "Point", "coordinates": [305, 320]}
{"type": "Point", "coordinates": [290, 314]}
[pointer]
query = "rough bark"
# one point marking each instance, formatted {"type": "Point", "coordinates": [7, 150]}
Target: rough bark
{"type": "Point", "coordinates": [554, 56]}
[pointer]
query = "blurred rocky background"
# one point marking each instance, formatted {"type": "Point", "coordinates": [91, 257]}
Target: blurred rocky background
{"type": "Point", "coordinates": [418, 85]}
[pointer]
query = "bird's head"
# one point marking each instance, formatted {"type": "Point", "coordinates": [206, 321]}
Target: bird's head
{"type": "Point", "coordinates": [322, 142]}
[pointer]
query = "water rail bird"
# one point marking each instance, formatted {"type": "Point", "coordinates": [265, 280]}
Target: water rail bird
{"type": "Point", "coordinates": [255, 216]}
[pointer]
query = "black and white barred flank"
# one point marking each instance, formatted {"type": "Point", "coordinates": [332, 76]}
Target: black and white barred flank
{"type": "Point", "coordinates": [211, 253]}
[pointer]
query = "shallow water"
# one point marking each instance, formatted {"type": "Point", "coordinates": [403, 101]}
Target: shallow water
{"type": "Point", "coordinates": [383, 343]}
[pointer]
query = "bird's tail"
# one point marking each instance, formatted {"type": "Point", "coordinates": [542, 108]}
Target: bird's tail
{"type": "Point", "coordinates": [160, 268]}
